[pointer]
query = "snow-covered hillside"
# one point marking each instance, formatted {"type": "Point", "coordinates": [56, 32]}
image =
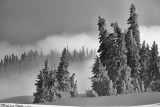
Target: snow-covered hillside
{"type": "Point", "coordinates": [152, 98]}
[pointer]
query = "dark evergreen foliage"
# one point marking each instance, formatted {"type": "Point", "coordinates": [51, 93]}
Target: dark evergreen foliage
{"type": "Point", "coordinates": [133, 56]}
{"type": "Point", "coordinates": [145, 61]}
{"type": "Point", "coordinates": [39, 98]}
{"type": "Point", "coordinates": [44, 85]}
{"type": "Point", "coordinates": [104, 40]}
{"type": "Point", "coordinates": [154, 67]}
{"type": "Point", "coordinates": [63, 74]}
{"type": "Point", "coordinates": [121, 72]}
{"type": "Point", "coordinates": [132, 68]}
{"type": "Point", "coordinates": [100, 79]}
{"type": "Point", "coordinates": [134, 27]}
{"type": "Point", "coordinates": [53, 85]}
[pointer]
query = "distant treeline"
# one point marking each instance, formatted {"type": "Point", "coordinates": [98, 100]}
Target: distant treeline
{"type": "Point", "coordinates": [11, 64]}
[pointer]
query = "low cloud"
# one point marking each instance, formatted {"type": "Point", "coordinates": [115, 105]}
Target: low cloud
{"type": "Point", "coordinates": [58, 42]}
{"type": "Point", "coordinates": [74, 41]}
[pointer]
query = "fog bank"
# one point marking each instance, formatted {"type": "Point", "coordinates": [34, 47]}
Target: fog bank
{"type": "Point", "coordinates": [17, 85]}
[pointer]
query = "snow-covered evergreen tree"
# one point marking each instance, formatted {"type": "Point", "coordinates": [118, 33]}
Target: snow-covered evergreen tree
{"type": "Point", "coordinates": [63, 74]}
{"type": "Point", "coordinates": [134, 27]}
{"type": "Point", "coordinates": [145, 61]}
{"type": "Point", "coordinates": [53, 85]}
{"type": "Point", "coordinates": [133, 56]}
{"type": "Point", "coordinates": [106, 42]}
{"type": "Point", "coordinates": [154, 67]}
{"type": "Point", "coordinates": [38, 95]}
{"type": "Point", "coordinates": [133, 45]}
{"type": "Point", "coordinates": [120, 70]}
{"type": "Point", "coordinates": [42, 85]}
{"type": "Point", "coordinates": [100, 79]}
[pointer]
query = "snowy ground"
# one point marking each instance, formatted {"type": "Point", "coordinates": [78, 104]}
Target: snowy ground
{"type": "Point", "coordinates": [121, 100]}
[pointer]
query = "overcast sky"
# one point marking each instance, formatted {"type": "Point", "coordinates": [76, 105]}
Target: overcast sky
{"type": "Point", "coordinates": [27, 21]}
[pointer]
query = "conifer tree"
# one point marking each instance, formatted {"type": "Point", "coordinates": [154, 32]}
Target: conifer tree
{"type": "Point", "coordinates": [74, 91]}
{"type": "Point", "coordinates": [133, 56]}
{"type": "Point", "coordinates": [100, 78]}
{"type": "Point", "coordinates": [119, 68]}
{"type": "Point", "coordinates": [53, 86]}
{"type": "Point", "coordinates": [63, 74]}
{"type": "Point", "coordinates": [39, 95]}
{"type": "Point", "coordinates": [144, 61]}
{"type": "Point", "coordinates": [46, 86]}
{"type": "Point", "coordinates": [41, 85]}
{"type": "Point", "coordinates": [154, 66]}
{"type": "Point", "coordinates": [133, 22]}
{"type": "Point", "coordinates": [107, 45]}
{"type": "Point", "coordinates": [103, 37]}
{"type": "Point", "coordinates": [103, 31]}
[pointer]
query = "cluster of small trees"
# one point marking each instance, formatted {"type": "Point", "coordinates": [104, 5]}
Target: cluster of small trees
{"type": "Point", "coordinates": [123, 65]}
{"type": "Point", "coordinates": [12, 64]}
{"type": "Point", "coordinates": [53, 85]}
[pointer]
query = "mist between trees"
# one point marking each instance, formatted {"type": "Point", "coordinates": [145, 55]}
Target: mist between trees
{"type": "Point", "coordinates": [123, 66]}
{"type": "Point", "coordinates": [20, 73]}
{"type": "Point", "coordinates": [11, 64]}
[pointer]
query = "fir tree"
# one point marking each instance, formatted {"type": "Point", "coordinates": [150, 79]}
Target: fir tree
{"type": "Point", "coordinates": [103, 30]}
{"type": "Point", "coordinates": [154, 66]}
{"type": "Point", "coordinates": [133, 22]}
{"type": "Point", "coordinates": [119, 69]}
{"type": "Point", "coordinates": [53, 86]}
{"type": "Point", "coordinates": [144, 61]}
{"type": "Point", "coordinates": [133, 56]}
{"type": "Point", "coordinates": [100, 78]}
{"type": "Point", "coordinates": [63, 74]}
{"type": "Point", "coordinates": [107, 45]}
{"type": "Point", "coordinates": [39, 95]}
{"type": "Point", "coordinates": [42, 85]}
{"type": "Point", "coordinates": [103, 36]}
